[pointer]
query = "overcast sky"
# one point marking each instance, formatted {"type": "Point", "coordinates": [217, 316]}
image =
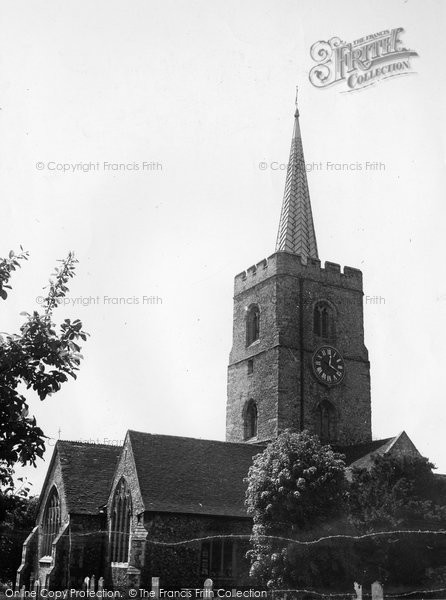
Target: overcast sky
{"type": "Point", "coordinates": [206, 90]}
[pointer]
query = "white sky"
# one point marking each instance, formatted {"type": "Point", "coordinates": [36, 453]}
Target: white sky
{"type": "Point", "coordinates": [207, 90]}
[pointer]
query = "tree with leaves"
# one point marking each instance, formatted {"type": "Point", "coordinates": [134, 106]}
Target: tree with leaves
{"type": "Point", "coordinates": [295, 492]}
{"type": "Point", "coordinates": [40, 357]}
{"type": "Point", "coordinates": [398, 494]}
{"type": "Point", "coordinates": [18, 513]}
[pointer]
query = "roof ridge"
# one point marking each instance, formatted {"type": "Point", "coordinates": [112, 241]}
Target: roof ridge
{"type": "Point", "coordinates": [82, 443]}
{"type": "Point", "coordinates": [185, 437]}
{"type": "Point", "coordinates": [382, 440]}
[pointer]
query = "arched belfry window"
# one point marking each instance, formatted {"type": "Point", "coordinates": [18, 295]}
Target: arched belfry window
{"type": "Point", "coordinates": [326, 422]}
{"type": "Point", "coordinates": [252, 324]}
{"type": "Point", "coordinates": [250, 420]}
{"type": "Point", "coordinates": [51, 522]}
{"type": "Point", "coordinates": [121, 515]}
{"type": "Point", "coordinates": [323, 320]}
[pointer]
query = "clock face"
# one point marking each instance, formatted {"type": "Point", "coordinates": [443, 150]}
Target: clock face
{"type": "Point", "coordinates": [328, 365]}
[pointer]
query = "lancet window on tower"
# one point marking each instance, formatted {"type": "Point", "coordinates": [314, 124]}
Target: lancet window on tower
{"type": "Point", "coordinates": [326, 422]}
{"type": "Point", "coordinates": [252, 324]}
{"type": "Point", "coordinates": [250, 420]}
{"type": "Point", "coordinates": [51, 522]}
{"type": "Point", "coordinates": [323, 320]}
{"type": "Point", "coordinates": [120, 522]}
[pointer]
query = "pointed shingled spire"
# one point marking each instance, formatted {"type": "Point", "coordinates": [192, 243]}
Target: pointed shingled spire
{"type": "Point", "coordinates": [296, 229]}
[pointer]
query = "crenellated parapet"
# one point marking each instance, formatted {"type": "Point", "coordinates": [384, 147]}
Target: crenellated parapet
{"type": "Point", "coordinates": [285, 263]}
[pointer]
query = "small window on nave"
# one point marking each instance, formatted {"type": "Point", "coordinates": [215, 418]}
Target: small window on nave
{"type": "Point", "coordinates": [250, 424]}
{"type": "Point", "coordinates": [217, 558]}
{"type": "Point", "coordinates": [323, 320]}
{"type": "Point", "coordinates": [121, 516]}
{"type": "Point", "coordinates": [51, 523]}
{"type": "Point", "coordinates": [252, 325]}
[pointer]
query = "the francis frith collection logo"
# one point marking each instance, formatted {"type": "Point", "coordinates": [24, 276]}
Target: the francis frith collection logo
{"type": "Point", "coordinates": [361, 63]}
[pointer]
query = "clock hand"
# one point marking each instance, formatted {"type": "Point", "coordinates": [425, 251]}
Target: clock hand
{"type": "Point", "coordinates": [330, 365]}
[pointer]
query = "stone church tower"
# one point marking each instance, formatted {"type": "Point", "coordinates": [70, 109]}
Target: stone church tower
{"type": "Point", "coordinates": [298, 358]}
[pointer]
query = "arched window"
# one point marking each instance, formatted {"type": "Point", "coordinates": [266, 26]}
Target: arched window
{"type": "Point", "coordinates": [250, 420]}
{"type": "Point", "coordinates": [121, 515]}
{"type": "Point", "coordinates": [51, 522]}
{"type": "Point", "coordinates": [323, 320]}
{"type": "Point", "coordinates": [326, 422]}
{"type": "Point", "coordinates": [252, 324]}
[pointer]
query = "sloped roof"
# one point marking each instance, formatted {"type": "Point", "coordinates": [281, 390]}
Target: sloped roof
{"type": "Point", "coordinates": [359, 455]}
{"type": "Point", "coordinates": [177, 474]}
{"type": "Point", "coordinates": [87, 473]}
{"type": "Point", "coordinates": [189, 475]}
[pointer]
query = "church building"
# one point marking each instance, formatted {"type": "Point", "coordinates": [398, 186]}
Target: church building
{"type": "Point", "coordinates": [167, 506]}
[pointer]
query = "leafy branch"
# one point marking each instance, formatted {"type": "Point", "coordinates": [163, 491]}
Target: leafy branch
{"type": "Point", "coordinates": [42, 357]}
{"type": "Point", "coordinates": [7, 266]}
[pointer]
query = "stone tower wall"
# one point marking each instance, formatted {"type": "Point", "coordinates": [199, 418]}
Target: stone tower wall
{"type": "Point", "coordinates": [282, 382]}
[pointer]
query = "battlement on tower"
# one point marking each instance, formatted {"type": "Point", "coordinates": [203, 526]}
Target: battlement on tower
{"type": "Point", "coordinates": [286, 263]}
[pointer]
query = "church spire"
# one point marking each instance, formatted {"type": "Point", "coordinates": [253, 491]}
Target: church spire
{"type": "Point", "coordinates": [296, 229]}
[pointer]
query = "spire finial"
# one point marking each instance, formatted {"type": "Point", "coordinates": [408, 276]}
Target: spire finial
{"type": "Point", "coordinates": [296, 112]}
{"type": "Point", "coordinates": [296, 229]}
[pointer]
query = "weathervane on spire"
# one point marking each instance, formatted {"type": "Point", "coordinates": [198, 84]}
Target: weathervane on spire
{"type": "Point", "coordinates": [296, 114]}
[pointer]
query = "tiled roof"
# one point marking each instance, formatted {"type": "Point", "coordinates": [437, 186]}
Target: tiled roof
{"type": "Point", "coordinates": [87, 472]}
{"type": "Point", "coordinates": [360, 453]}
{"type": "Point", "coordinates": [176, 474]}
{"type": "Point", "coordinates": [188, 475]}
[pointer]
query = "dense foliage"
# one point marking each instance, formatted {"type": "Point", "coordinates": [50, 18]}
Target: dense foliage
{"type": "Point", "coordinates": [398, 494]}
{"type": "Point", "coordinates": [295, 489]}
{"type": "Point", "coordinates": [298, 493]}
{"type": "Point", "coordinates": [17, 518]}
